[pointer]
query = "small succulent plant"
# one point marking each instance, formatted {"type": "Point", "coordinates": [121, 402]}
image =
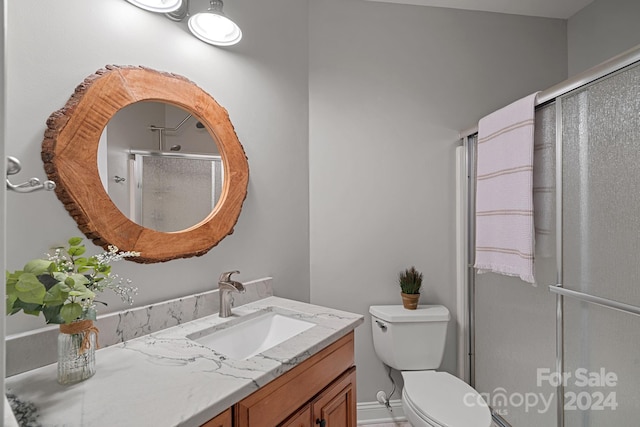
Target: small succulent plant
{"type": "Point", "coordinates": [410, 281]}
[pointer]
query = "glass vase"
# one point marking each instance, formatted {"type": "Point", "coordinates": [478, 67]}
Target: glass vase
{"type": "Point", "coordinates": [77, 344]}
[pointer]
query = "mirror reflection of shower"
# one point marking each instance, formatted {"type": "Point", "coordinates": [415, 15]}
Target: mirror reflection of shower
{"type": "Point", "coordinates": [171, 164]}
{"type": "Point", "coordinates": [162, 132]}
{"type": "Point", "coordinates": [173, 191]}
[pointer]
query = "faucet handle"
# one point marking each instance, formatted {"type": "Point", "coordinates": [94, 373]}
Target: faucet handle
{"type": "Point", "coordinates": [226, 277]}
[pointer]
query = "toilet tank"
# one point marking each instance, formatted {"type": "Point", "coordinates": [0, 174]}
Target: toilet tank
{"type": "Point", "coordinates": [409, 340]}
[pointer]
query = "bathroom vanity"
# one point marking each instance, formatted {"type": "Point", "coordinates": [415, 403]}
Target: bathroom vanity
{"type": "Point", "coordinates": [179, 376]}
{"type": "Point", "coordinates": [319, 390]}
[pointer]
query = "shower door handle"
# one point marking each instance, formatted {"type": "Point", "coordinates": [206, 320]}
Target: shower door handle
{"type": "Point", "coordinates": [604, 302]}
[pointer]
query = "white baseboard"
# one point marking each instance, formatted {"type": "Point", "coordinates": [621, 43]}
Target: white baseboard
{"type": "Point", "coordinates": [376, 413]}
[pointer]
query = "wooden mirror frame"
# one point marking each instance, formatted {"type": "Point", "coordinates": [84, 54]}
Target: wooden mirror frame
{"type": "Point", "coordinates": [70, 153]}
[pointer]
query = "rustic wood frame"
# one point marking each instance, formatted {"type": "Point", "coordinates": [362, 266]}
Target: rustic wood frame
{"type": "Point", "coordinates": [70, 148]}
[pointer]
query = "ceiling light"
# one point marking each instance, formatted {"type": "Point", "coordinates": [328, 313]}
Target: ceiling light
{"type": "Point", "coordinates": [160, 6]}
{"type": "Point", "coordinates": [214, 27]}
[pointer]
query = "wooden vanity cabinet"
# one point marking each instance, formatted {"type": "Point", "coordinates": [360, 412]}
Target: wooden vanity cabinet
{"type": "Point", "coordinates": [319, 392]}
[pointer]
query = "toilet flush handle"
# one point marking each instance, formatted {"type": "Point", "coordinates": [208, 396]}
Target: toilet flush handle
{"type": "Point", "coordinates": [381, 325]}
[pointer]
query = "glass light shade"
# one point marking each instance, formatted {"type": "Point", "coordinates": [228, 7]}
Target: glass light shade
{"type": "Point", "coordinates": [160, 6]}
{"type": "Point", "coordinates": [214, 28]}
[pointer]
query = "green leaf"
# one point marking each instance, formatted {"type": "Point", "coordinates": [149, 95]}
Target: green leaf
{"type": "Point", "coordinates": [11, 299]}
{"type": "Point", "coordinates": [81, 261]}
{"type": "Point", "coordinates": [60, 277]}
{"type": "Point", "coordinates": [52, 314]}
{"type": "Point", "coordinates": [75, 241]}
{"type": "Point", "coordinates": [37, 266]}
{"type": "Point", "coordinates": [88, 295]}
{"type": "Point", "coordinates": [64, 287]}
{"type": "Point", "coordinates": [71, 312]}
{"type": "Point", "coordinates": [56, 296]}
{"type": "Point", "coordinates": [79, 279]}
{"type": "Point", "coordinates": [10, 287]}
{"type": "Point", "coordinates": [70, 282]}
{"type": "Point", "coordinates": [28, 308]}
{"type": "Point", "coordinates": [76, 250]}
{"type": "Point", "coordinates": [29, 289]}
{"type": "Point", "coordinates": [12, 278]}
{"type": "Point", "coordinates": [81, 291]}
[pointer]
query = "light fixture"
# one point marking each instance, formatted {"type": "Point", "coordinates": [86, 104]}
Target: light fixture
{"type": "Point", "coordinates": [160, 6]}
{"type": "Point", "coordinates": [214, 27]}
{"type": "Point", "coordinates": [211, 26]}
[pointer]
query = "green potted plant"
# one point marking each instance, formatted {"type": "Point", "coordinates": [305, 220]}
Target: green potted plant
{"type": "Point", "coordinates": [63, 287]}
{"type": "Point", "coordinates": [410, 283]}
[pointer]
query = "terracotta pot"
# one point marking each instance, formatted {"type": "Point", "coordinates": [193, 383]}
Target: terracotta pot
{"type": "Point", "coordinates": [410, 301]}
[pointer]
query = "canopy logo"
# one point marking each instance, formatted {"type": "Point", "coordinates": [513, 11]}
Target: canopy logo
{"type": "Point", "coordinates": [594, 398]}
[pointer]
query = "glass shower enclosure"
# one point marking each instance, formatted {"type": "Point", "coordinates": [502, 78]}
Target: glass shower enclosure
{"type": "Point", "coordinates": [567, 351]}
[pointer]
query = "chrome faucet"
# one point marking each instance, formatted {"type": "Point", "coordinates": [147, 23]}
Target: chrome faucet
{"type": "Point", "coordinates": [225, 287]}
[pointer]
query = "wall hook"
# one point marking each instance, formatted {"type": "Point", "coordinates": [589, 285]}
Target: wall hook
{"type": "Point", "coordinates": [13, 167]}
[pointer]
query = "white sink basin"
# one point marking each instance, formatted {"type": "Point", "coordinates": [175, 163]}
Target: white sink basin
{"type": "Point", "coordinates": [252, 336]}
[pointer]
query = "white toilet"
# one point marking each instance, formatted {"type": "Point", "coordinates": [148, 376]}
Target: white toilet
{"type": "Point", "coordinates": [412, 341]}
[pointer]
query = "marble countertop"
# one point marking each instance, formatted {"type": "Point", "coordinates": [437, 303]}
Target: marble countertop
{"type": "Point", "coordinates": [166, 379]}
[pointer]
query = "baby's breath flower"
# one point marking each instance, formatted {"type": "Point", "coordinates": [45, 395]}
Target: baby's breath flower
{"type": "Point", "coordinates": [112, 255]}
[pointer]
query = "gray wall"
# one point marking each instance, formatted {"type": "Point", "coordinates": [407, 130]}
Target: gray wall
{"type": "Point", "coordinates": [262, 82]}
{"type": "Point", "coordinates": [600, 31]}
{"type": "Point", "coordinates": [390, 88]}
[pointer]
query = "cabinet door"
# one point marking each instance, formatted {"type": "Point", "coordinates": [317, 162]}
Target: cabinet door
{"type": "Point", "coordinates": [336, 406]}
{"type": "Point", "coordinates": [272, 404]}
{"type": "Point", "coordinates": [301, 419]}
{"type": "Point", "coordinates": [222, 420]}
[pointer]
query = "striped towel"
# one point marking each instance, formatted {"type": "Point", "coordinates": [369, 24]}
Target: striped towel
{"type": "Point", "coordinates": [504, 192]}
{"type": "Point", "coordinates": [544, 185]}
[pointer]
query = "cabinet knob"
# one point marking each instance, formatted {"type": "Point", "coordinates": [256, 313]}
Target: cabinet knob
{"type": "Point", "coordinates": [321, 422]}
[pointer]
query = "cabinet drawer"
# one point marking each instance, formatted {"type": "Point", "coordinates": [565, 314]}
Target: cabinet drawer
{"type": "Point", "coordinates": [274, 402]}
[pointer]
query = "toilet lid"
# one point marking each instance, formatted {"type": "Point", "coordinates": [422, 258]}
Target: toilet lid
{"type": "Point", "coordinates": [445, 399]}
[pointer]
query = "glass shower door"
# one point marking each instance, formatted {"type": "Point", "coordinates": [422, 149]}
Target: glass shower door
{"type": "Point", "coordinates": [508, 358]}
{"type": "Point", "coordinates": [601, 250]}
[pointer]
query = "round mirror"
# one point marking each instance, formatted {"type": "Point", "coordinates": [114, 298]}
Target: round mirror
{"type": "Point", "coordinates": [160, 166]}
{"type": "Point", "coordinates": [70, 154]}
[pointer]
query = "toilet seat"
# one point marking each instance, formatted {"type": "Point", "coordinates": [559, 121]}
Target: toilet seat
{"type": "Point", "coordinates": [443, 400]}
